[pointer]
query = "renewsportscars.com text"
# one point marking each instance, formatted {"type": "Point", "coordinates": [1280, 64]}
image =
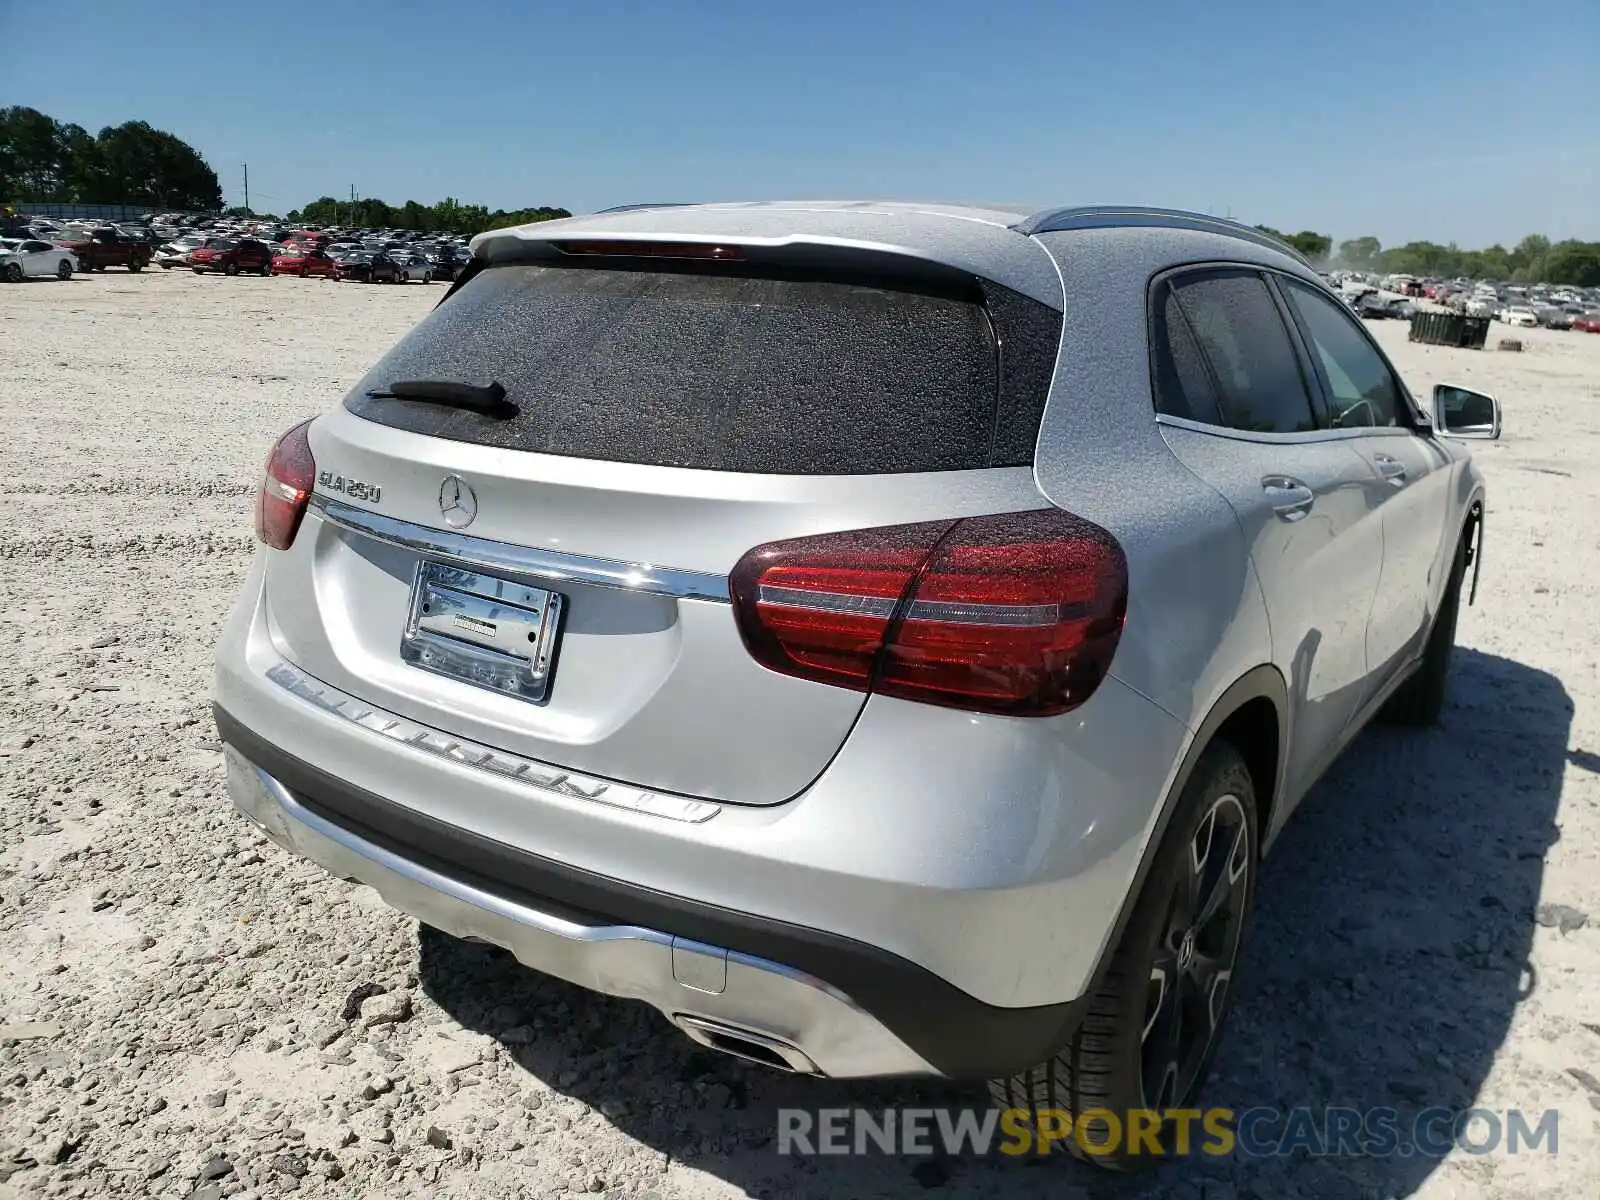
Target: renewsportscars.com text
{"type": "Point", "coordinates": [1258, 1132]}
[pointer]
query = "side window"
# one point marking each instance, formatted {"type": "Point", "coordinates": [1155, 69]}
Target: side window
{"type": "Point", "coordinates": [1239, 330]}
{"type": "Point", "coordinates": [1362, 391]}
{"type": "Point", "coordinates": [1182, 382]}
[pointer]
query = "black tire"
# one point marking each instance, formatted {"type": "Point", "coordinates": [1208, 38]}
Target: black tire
{"type": "Point", "coordinates": [198, 270]}
{"type": "Point", "coordinates": [266, 269]}
{"type": "Point", "coordinates": [135, 267]}
{"type": "Point", "coordinates": [13, 272]}
{"type": "Point", "coordinates": [1105, 1064]}
{"type": "Point", "coordinates": [1419, 701]}
{"type": "Point", "coordinates": [64, 270]}
{"type": "Point", "coordinates": [302, 272]}
{"type": "Point", "coordinates": [231, 269]}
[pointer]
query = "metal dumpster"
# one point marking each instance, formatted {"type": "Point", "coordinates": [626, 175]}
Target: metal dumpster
{"type": "Point", "coordinates": [1449, 329]}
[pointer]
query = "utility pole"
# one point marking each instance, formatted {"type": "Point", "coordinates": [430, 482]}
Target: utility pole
{"type": "Point", "coordinates": [247, 187]}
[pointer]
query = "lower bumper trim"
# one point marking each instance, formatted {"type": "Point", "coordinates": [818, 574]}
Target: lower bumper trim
{"type": "Point", "coordinates": [847, 1008]}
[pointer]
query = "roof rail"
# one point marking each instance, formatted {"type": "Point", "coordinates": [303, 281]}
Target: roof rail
{"type": "Point", "coordinates": [635, 207]}
{"type": "Point", "coordinates": [1113, 216]}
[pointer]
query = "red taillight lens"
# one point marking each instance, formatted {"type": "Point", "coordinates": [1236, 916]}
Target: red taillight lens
{"type": "Point", "coordinates": [291, 472]}
{"type": "Point", "coordinates": [1017, 614]}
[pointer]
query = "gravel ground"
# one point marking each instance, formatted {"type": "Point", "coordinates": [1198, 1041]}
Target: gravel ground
{"type": "Point", "coordinates": [187, 1011]}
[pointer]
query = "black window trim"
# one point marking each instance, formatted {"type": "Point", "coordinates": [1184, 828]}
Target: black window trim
{"type": "Point", "coordinates": [1323, 433]}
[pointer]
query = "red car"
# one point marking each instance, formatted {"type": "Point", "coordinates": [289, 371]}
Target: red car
{"type": "Point", "coordinates": [230, 257]}
{"type": "Point", "coordinates": [1589, 322]}
{"type": "Point", "coordinates": [301, 262]}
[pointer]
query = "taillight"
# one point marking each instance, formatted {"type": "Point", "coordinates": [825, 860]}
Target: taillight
{"type": "Point", "coordinates": [291, 471]}
{"type": "Point", "coordinates": [1018, 613]}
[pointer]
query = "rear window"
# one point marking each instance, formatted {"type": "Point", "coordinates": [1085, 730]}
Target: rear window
{"type": "Point", "coordinates": [732, 372]}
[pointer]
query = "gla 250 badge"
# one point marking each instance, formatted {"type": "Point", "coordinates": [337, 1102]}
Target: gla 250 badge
{"type": "Point", "coordinates": [354, 488]}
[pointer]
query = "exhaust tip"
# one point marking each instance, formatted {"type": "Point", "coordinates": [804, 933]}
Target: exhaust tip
{"type": "Point", "coordinates": [747, 1044]}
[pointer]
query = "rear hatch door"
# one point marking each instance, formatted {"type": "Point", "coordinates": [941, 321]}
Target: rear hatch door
{"type": "Point", "coordinates": [659, 423]}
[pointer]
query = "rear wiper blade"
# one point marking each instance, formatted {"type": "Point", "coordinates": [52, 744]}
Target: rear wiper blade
{"type": "Point", "coordinates": [486, 398]}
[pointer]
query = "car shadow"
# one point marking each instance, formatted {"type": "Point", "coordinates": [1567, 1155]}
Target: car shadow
{"type": "Point", "coordinates": [1389, 952]}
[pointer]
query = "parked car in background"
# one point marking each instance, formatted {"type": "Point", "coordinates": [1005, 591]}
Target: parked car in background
{"type": "Point", "coordinates": [446, 264]}
{"type": "Point", "coordinates": [1374, 307]}
{"type": "Point", "coordinates": [104, 248]}
{"type": "Point", "coordinates": [1588, 322]}
{"type": "Point", "coordinates": [934, 718]}
{"type": "Point", "coordinates": [412, 267]}
{"type": "Point", "coordinates": [1555, 318]}
{"type": "Point", "coordinates": [1521, 316]}
{"type": "Point", "coordinates": [303, 263]}
{"type": "Point", "coordinates": [228, 257]}
{"type": "Point", "coordinates": [355, 265]}
{"type": "Point", "coordinates": [176, 253]}
{"type": "Point", "coordinates": [29, 258]}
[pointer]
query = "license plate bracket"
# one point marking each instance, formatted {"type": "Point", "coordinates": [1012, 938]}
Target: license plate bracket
{"type": "Point", "coordinates": [483, 630]}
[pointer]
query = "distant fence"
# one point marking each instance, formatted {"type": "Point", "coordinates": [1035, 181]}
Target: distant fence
{"type": "Point", "coordinates": [92, 212]}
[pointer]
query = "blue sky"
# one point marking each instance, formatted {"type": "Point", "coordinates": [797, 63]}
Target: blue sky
{"type": "Point", "coordinates": [1444, 119]}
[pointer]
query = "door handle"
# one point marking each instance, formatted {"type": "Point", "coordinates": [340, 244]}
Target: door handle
{"type": "Point", "coordinates": [1392, 470]}
{"type": "Point", "coordinates": [1289, 498]}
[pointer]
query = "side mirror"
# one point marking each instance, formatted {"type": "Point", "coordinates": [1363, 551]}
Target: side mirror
{"type": "Point", "coordinates": [1459, 412]}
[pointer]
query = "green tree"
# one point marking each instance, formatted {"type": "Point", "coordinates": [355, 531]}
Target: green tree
{"type": "Point", "coordinates": [1573, 262]}
{"type": "Point", "coordinates": [1360, 254]}
{"type": "Point", "coordinates": [48, 160]}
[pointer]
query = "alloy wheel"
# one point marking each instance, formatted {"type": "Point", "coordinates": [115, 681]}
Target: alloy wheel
{"type": "Point", "coordinates": [1197, 955]}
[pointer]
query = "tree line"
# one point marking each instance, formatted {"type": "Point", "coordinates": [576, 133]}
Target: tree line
{"type": "Point", "coordinates": [447, 216]}
{"type": "Point", "coordinates": [45, 160]}
{"type": "Point", "coordinates": [1535, 259]}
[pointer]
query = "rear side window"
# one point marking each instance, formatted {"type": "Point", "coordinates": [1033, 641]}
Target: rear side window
{"type": "Point", "coordinates": [1182, 379]}
{"type": "Point", "coordinates": [732, 372]}
{"type": "Point", "coordinates": [1238, 330]}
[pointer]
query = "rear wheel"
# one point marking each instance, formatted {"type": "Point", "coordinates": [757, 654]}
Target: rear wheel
{"type": "Point", "coordinates": [1419, 701]}
{"type": "Point", "coordinates": [231, 269]}
{"type": "Point", "coordinates": [13, 272]}
{"type": "Point", "coordinates": [64, 269]}
{"type": "Point", "coordinates": [135, 267]}
{"type": "Point", "coordinates": [1155, 1020]}
{"type": "Point", "coordinates": [302, 272]}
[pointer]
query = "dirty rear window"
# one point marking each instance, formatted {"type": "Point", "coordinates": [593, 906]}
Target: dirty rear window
{"type": "Point", "coordinates": [731, 372]}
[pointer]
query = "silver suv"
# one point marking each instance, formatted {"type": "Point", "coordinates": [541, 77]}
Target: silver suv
{"type": "Point", "coordinates": [882, 637]}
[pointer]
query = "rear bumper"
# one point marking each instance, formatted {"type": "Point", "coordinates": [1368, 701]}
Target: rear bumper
{"type": "Point", "coordinates": [959, 879]}
{"type": "Point", "coordinates": [800, 999]}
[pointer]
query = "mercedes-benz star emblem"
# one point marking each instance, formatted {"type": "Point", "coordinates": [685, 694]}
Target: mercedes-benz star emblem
{"type": "Point", "coordinates": [1186, 951]}
{"type": "Point", "coordinates": [458, 503]}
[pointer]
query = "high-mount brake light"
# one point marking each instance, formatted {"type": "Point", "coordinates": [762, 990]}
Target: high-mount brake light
{"type": "Point", "coordinates": [1017, 614]}
{"type": "Point", "coordinates": [646, 249]}
{"type": "Point", "coordinates": [285, 488]}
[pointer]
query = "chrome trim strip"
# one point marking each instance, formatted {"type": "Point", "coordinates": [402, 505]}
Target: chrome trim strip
{"type": "Point", "coordinates": [483, 553]}
{"type": "Point", "coordinates": [537, 775]}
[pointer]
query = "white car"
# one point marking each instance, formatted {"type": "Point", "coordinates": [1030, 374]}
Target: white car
{"type": "Point", "coordinates": [32, 259]}
{"type": "Point", "coordinates": [174, 254]}
{"type": "Point", "coordinates": [1520, 316]}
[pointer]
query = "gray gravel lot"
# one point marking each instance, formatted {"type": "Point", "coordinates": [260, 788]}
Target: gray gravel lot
{"type": "Point", "coordinates": [186, 1011]}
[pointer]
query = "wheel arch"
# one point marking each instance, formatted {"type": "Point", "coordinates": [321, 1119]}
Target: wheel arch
{"type": "Point", "coordinates": [1254, 710]}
